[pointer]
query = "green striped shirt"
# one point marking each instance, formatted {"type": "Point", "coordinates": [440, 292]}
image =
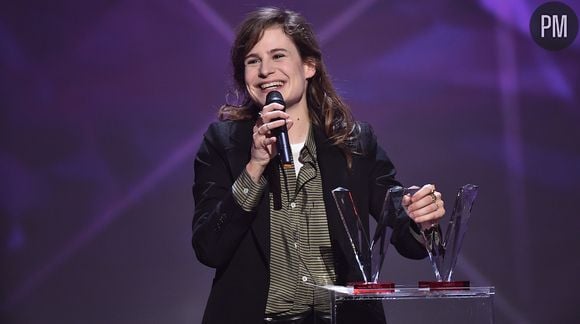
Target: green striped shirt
{"type": "Point", "coordinates": [300, 250]}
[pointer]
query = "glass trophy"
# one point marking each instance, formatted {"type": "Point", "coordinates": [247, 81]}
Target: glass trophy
{"type": "Point", "coordinates": [444, 250]}
{"type": "Point", "coordinates": [369, 255]}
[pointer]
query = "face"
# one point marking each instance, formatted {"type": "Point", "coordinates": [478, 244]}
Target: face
{"type": "Point", "coordinates": [275, 64]}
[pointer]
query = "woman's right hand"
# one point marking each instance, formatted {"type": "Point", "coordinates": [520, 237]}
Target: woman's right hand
{"type": "Point", "coordinates": [263, 148]}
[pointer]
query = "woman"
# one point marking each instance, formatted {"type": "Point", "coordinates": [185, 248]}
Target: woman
{"type": "Point", "coordinates": [273, 232]}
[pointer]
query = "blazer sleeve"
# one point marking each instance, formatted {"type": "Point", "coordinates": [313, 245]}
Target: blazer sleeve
{"type": "Point", "coordinates": [382, 177]}
{"type": "Point", "coordinates": [219, 222]}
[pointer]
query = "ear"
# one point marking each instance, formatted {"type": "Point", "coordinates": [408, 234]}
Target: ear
{"type": "Point", "coordinates": [309, 68]}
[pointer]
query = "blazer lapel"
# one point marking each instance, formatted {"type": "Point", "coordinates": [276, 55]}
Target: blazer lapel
{"type": "Point", "coordinates": [334, 172]}
{"type": "Point", "coordinates": [239, 149]}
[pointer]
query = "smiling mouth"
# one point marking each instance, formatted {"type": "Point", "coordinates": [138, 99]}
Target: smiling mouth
{"type": "Point", "coordinates": [271, 85]}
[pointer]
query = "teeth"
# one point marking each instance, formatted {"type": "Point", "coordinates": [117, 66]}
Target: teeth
{"type": "Point", "coordinates": [271, 84]}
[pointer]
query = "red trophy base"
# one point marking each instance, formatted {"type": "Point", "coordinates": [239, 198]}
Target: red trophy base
{"type": "Point", "coordinates": [372, 287]}
{"type": "Point", "coordinates": [445, 285]}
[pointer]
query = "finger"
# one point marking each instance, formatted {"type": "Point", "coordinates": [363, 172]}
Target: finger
{"type": "Point", "coordinates": [271, 107]}
{"type": "Point", "coordinates": [269, 141]}
{"type": "Point", "coordinates": [263, 130]}
{"type": "Point", "coordinates": [424, 191]}
{"type": "Point", "coordinates": [421, 203]}
{"type": "Point", "coordinates": [422, 212]}
{"type": "Point", "coordinates": [415, 212]}
{"type": "Point", "coordinates": [272, 111]}
{"type": "Point", "coordinates": [274, 115]}
{"type": "Point", "coordinates": [433, 216]}
{"type": "Point", "coordinates": [264, 142]}
{"type": "Point", "coordinates": [275, 124]}
{"type": "Point", "coordinates": [410, 191]}
{"type": "Point", "coordinates": [406, 200]}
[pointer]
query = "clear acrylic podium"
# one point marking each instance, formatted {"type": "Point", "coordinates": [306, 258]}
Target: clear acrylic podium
{"type": "Point", "coordinates": [410, 305]}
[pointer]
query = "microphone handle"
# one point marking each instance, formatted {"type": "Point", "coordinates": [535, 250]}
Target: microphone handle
{"type": "Point", "coordinates": [281, 133]}
{"type": "Point", "coordinates": [283, 146]}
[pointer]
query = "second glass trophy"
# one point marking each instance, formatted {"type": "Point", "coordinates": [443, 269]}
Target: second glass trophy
{"type": "Point", "coordinates": [444, 250]}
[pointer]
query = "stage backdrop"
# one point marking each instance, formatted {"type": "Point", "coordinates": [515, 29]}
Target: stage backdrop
{"type": "Point", "coordinates": [104, 103]}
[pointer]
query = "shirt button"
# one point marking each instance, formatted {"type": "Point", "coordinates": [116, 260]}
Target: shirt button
{"type": "Point", "coordinates": [245, 190]}
{"type": "Point", "coordinates": [304, 279]}
{"type": "Point", "coordinates": [293, 205]}
{"type": "Point", "coordinates": [295, 245]}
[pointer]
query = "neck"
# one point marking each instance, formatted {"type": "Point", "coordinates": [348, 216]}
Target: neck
{"type": "Point", "coordinates": [299, 131]}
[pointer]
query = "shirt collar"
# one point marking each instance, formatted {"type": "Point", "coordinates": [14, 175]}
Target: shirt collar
{"type": "Point", "coordinates": [308, 152]}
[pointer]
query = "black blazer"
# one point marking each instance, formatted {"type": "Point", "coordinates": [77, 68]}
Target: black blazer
{"type": "Point", "coordinates": [237, 243]}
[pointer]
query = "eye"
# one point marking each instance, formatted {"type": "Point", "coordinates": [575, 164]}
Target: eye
{"type": "Point", "coordinates": [278, 56]}
{"type": "Point", "coordinates": [252, 61]}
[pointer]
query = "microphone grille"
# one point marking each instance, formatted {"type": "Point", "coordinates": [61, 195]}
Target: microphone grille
{"type": "Point", "coordinates": [275, 96]}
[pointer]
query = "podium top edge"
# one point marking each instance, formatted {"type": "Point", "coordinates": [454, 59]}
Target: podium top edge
{"type": "Point", "coordinates": [410, 292]}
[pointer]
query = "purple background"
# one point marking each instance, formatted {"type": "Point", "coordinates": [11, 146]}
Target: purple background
{"type": "Point", "coordinates": [103, 105]}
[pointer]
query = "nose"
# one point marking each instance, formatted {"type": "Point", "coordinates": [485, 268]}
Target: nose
{"type": "Point", "coordinates": [266, 68]}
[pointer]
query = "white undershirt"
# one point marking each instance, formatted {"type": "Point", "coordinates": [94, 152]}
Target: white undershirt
{"type": "Point", "coordinates": [296, 148]}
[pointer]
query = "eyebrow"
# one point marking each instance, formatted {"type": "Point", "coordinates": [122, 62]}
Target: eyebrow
{"type": "Point", "coordinates": [270, 52]}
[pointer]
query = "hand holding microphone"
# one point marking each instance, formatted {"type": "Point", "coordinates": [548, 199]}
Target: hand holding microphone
{"type": "Point", "coordinates": [270, 136]}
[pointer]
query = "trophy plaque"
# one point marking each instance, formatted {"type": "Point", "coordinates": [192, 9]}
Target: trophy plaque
{"type": "Point", "coordinates": [369, 256]}
{"type": "Point", "coordinates": [444, 250]}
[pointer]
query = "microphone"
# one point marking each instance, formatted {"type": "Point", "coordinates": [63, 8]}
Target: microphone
{"type": "Point", "coordinates": [281, 133]}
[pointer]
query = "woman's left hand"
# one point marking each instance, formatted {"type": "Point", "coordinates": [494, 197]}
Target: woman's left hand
{"type": "Point", "coordinates": [425, 207]}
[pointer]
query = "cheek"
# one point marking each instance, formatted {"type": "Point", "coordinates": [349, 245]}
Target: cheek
{"type": "Point", "coordinates": [252, 91]}
{"type": "Point", "coordinates": [247, 77]}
